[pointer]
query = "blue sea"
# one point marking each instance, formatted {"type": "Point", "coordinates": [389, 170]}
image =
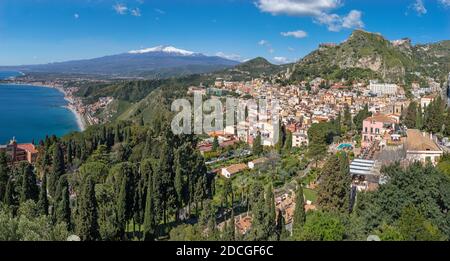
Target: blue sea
{"type": "Point", "coordinates": [31, 112]}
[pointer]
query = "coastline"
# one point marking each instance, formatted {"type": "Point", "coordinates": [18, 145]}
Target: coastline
{"type": "Point", "coordinates": [81, 122]}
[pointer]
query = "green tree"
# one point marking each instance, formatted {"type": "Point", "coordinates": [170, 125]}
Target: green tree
{"type": "Point", "coordinates": [58, 168]}
{"type": "Point", "coordinates": [149, 216]}
{"type": "Point", "coordinates": [87, 226]}
{"type": "Point", "coordinates": [123, 202]}
{"type": "Point", "coordinates": [270, 216]}
{"type": "Point", "coordinates": [215, 144]}
{"type": "Point", "coordinates": [43, 199]}
{"type": "Point", "coordinates": [29, 188]}
{"type": "Point", "coordinates": [419, 117]}
{"type": "Point", "coordinates": [335, 180]}
{"type": "Point", "coordinates": [10, 193]}
{"type": "Point", "coordinates": [258, 229]}
{"type": "Point", "coordinates": [434, 116]}
{"type": "Point", "coordinates": [282, 233]}
{"type": "Point", "coordinates": [411, 115]}
{"type": "Point", "coordinates": [347, 118]}
{"type": "Point", "coordinates": [288, 142]}
{"type": "Point", "coordinates": [257, 145]}
{"type": "Point", "coordinates": [360, 117]}
{"type": "Point", "coordinates": [299, 212]}
{"type": "Point", "coordinates": [63, 212]}
{"type": "Point", "coordinates": [321, 226]}
{"type": "Point", "coordinates": [414, 227]}
{"type": "Point", "coordinates": [4, 174]}
{"type": "Point", "coordinates": [281, 137]}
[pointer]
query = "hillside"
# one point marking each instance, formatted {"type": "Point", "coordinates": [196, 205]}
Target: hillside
{"type": "Point", "coordinates": [367, 55]}
{"type": "Point", "coordinates": [255, 68]}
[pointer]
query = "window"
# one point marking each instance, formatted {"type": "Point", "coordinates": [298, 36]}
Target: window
{"type": "Point", "coordinates": [371, 130]}
{"type": "Point", "coordinates": [365, 130]}
{"type": "Point", "coordinates": [377, 131]}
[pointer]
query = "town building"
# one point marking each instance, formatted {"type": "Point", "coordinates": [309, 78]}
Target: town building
{"type": "Point", "coordinates": [257, 162]}
{"type": "Point", "coordinates": [20, 152]}
{"type": "Point", "coordinates": [299, 139]}
{"type": "Point", "coordinates": [375, 128]}
{"type": "Point", "coordinates": [421, 147]}
{"type": "Point", "coordinates": [232, 170]}
{"type": "Point", "coordinates": [381, 89]}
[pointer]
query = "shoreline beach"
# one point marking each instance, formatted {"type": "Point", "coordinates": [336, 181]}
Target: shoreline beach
{"type": "Point", "coordinates": [81, 122]}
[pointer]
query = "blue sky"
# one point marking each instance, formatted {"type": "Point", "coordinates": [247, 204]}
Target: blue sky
{"type": "Point", "coordinates": [42, 31]}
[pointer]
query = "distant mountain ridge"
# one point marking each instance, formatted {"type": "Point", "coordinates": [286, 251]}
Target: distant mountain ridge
{"type": "Point", "coordinates": [254, 68]}
{"type": "Point", "coordinates": [155, 62]}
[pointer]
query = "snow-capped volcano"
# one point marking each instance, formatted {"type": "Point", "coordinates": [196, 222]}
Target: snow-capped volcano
{"type": "Point", "coordinates": [156, 62]}
{"type": "Point", "coordinates": [163, 49]}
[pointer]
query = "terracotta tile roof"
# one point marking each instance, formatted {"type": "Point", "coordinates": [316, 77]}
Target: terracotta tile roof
{"type": "Point", "coordinates": [417, 142]}
{"type": "Point", "coordinates": [27, 147]}
{"type": "Point", "coordinates": [233, 169]}
{"type": "Point", "coordinates": [381, 118]}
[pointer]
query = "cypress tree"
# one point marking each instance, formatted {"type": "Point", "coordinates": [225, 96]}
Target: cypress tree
{"type": "Point", "coordinates": [58, 168]}
{"type": "Point", "coordinates": [282, 233]}
{"type": "Point", "coordinates": [43, 200]}
{"type": "Point", "coordinates": [87, 227]}
{"type": "Point", "coordinates": [299, 212]}
{"type": "Point", "coordinates": [10, 197]}
{"type": "Point", "coordinates": [122, 206]}
{"type": "Point", "coordinates": [215, 144]}
{"type": "Point", "coordinates": [4, 174]}
{"type": "Point", "coordinates": [29, 188]}
{"type": "Point", "coordinates": [270, 212]}
{"type": "Point", "coordinates": [347, 118]}
{"type": "Point", "coordinates": [69, 152]}
{"type": "Point", "coordinates": [179, 185]}
{"type": "Point", "coordinates": [334, 189]}
{"type": "Point", "coordinates": [411, 115]}
{"type": "Point", "coordinates": [117, 137]}
{"type": "Point", "coordinates": [288, 142]}
{"type": "Point", "coordinates": [281, 136]}
{"type": "Point", "coordinates": [63, 213]}
{"type": "Point", "coordinates": [257, 145]}
{"type": "Point", "coordinates": [149, 216]}
{"type": "Point", "coordinates": [419, 118]}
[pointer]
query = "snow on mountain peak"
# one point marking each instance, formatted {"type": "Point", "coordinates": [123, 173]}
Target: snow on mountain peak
{"type": "Point", "coordinates": [164, 49]}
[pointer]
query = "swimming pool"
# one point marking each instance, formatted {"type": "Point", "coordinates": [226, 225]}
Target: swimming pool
{"type": "Point", "coordinates": [343, 146]}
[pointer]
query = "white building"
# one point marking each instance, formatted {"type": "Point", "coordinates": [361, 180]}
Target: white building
{"type": "Point", "coordinates": [299, 139]}
{"type": "Point", "coordinates": [383, 88]}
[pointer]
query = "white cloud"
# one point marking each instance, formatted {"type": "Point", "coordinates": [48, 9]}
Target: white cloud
{"type": "Point", "coordinates": [263, 42]}
{"type": "Point", "coordinates": [353, 20]}
{"type": "Point", "coordinates": [335, 22]}
{"type": "Point", "coordinates": [76, 16]}
{"type": "Point", "coordinates": [136, 12]}
{"type": "Point", "coordinates": [297, 7]}
{"type": "Point", "coordinates": [120, 8]}
{"type": "Point", "coordinates": [281, 60]}
{"type": "Point", "coordinates": [296, 34]}
{"type": "Point", "coordinates": [446, 3]}
{"type": "Point", "coordinates": [419, 7]}
{"type": "Point", "coordinates": [159, 11]}
{"type": "Point", "coordinates": [320, 10]}
{"type": "Point", "coordinates": [235, 57]}
{"type": "Point", "coordinates": [290, 49]}
{"type": "Point", "coordinates": [267, 44]}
